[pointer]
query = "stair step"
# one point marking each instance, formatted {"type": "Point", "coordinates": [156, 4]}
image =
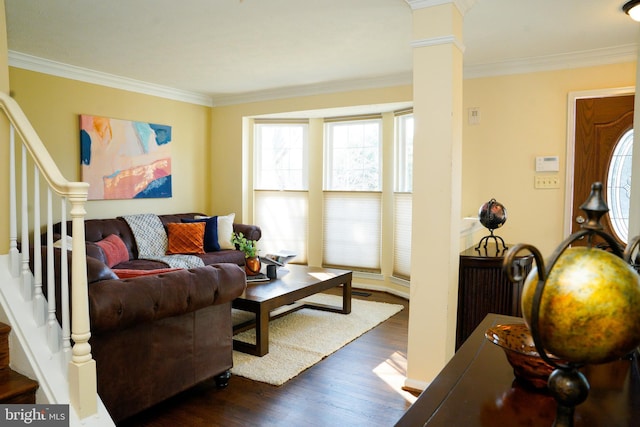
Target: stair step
{"type": "Point", "coordinates": [4, 345]}
{"type": "Point", "coordinates": [16, 388]}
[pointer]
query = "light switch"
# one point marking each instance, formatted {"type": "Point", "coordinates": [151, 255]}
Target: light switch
{"type": "Point", "coordinates": [474, 116]}
{"type": "Point", "coordinates": [547, 181]}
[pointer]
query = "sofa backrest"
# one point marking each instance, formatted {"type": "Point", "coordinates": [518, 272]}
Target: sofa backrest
{"type": "Point", "coordinates": [97, 229]}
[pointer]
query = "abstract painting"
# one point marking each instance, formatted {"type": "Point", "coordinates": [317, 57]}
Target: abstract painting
{"type": "Point", "coordinates": [123, 159]}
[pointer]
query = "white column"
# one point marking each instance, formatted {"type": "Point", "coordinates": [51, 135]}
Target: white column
{"type": "Point", "coordinates": [437, 109]}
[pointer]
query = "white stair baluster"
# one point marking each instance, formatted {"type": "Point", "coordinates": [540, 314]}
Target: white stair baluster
{"type": "Point", "coordinates": [53, 329]}
{"type": "Point", "coordinates": [27, 282]}
{"type": "Point", "coordinates": [64, 289]}
{"type": "Point", "coordinates": [38, 298]}
{"type": "Point", "coordinates": [14, 255]}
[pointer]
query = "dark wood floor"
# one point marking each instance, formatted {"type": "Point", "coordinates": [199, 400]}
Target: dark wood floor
{"type": "Point", "coordinates": [359, 385]}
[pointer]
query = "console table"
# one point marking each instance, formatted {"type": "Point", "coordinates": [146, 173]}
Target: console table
{"type": "Point", "coordinates": [477, 388]}
{"type": "Point", "coordinates": [484, 288]}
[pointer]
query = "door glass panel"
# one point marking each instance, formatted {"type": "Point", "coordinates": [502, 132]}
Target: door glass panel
{"type": "Point", "coordinates": [619, 186]}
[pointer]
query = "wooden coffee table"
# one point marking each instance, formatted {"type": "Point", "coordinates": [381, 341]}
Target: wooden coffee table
{"type": "Point", "coordinates": [262, 298]}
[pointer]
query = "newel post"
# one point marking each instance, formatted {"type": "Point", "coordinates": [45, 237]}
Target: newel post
{"type": "Point", "coordinates": [82, 367]}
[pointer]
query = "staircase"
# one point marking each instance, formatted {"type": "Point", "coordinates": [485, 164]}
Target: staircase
{"type": "Point", "coordinates": [56, 354]}
{"type": "Point", "coordinates": [15, 388]}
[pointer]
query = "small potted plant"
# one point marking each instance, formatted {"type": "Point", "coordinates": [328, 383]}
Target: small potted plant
{"type": "Point", "coordinates": [249, 247]}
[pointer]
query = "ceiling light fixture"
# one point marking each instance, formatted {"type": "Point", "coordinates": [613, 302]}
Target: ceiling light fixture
{"type": "Point", "coordinates": [632, 8]}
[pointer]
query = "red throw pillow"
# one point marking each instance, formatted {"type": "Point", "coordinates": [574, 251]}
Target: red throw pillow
{"type": "Point", "coordinates": [114, 250]}
{"type": "Point", "coordinates": [185, 238]}
{"type": "Point", "coordinates": [126, 273]}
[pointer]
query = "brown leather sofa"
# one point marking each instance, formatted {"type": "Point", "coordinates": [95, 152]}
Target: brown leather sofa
{"type": "Point", "coordinates": [154, 336]}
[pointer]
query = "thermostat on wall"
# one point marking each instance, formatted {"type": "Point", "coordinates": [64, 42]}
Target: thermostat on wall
{"type": "Point", "coordinates": [547, 164]}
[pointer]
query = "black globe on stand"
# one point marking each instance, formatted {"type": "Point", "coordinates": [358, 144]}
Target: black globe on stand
{"type": "Point", "coordinates": [492, 215]}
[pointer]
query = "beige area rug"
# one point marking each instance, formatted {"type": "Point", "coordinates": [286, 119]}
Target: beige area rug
{"type": "Point", "coordinates": [301, 339]}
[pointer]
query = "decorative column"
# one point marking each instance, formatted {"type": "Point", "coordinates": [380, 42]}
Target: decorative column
{"type": "Point", "coordinates": [437, 109]}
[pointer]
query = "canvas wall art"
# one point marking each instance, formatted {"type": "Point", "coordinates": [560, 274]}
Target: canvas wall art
{"type": "Point", "coordinates": [123, 159]}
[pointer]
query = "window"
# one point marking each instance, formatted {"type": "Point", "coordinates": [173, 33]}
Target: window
{"type": "Point", "coordinates": [403, 199]}
{"type": "Point", "coordinates": [281, 156]}
{"type": "Point", "coordinates": [404, 153]}
{"type": "Point", "coordinates": [280, 187]}
{"type": "Point", "coordinates": [352, 197]}
{"type": "Point", "coordinates": [619, 186]}
{"type": "Point", "coordinates": [353, 153]}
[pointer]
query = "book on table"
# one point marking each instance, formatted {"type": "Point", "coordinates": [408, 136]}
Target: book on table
{"type": "Point", "coordinates": [257, 278]}
{"type": "Point", "coordinates": [280, 258]}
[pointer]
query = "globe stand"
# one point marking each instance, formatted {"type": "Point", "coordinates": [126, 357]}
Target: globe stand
{"type": "Point", "coordinates": [570, 388]}
{"type": "Point", "coordinates": [495, 238]}
{"type": "Point", "coordinates": [566, 384]}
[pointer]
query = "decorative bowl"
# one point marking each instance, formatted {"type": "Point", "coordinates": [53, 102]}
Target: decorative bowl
{"type": "Point", "coordinates": [517, 343]}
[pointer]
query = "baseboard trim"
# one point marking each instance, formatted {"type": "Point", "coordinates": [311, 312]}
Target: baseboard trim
{"type": "Point", "coordinates": [415, 386]}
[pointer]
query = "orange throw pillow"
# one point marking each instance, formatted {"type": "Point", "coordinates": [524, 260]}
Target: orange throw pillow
{"type": "Point", "coordinates": [185, 238]}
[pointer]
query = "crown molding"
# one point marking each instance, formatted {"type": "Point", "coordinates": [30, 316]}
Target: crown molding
{"type": "Point", "coordinates": [399, 79]}
{"type": "Point", "coordinates": [434, 41]}
{"type": "Point", "coordinates": [41, 65]}
{"type": "Point", "coordinates": [605, 56]}
{"type": "Point", "coordinates": [462, 5]}
{"type": "Point", "coordinates": [590, 58]}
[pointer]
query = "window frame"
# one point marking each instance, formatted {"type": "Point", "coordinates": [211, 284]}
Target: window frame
{"type": "Point", "coordinates": [258, 153]}
{"type": "Point", "coordinates": [329, 144]}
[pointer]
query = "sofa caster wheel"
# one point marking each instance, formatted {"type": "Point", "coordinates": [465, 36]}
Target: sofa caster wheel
{"type": "Point", "coordinates": [222, 380]}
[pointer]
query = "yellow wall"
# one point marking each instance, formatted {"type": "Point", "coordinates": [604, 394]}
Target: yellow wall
{"type": "Point", "coordinates": [226, 132]}
{"type": "Point", "coordinates": [524, 116]}
{"type": "Point", "coordinates": [53, 105]}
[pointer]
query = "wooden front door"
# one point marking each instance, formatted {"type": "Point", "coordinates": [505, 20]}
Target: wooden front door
{"type": "Point", "coordinates": [600, 124]}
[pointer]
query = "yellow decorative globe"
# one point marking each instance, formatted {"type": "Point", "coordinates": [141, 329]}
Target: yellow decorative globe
{"type": "Point", "coordinates": [590, 306]}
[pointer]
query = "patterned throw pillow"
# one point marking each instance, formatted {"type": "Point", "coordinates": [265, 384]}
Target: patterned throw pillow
{"type": "Point", "coordinates": [185, 238]}
{"type": "Point", "coordinates": [114, 250]}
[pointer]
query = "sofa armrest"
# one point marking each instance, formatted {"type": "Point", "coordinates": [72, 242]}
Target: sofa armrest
{"type": "Point", "coordinates": [251, 232]}
{"type": "Point", "coordinates": [118, 304]}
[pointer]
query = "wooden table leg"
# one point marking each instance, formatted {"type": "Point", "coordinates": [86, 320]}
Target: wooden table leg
{"type": "Point", "coordinates": [346, 297]}
{"type": "Point", "coordinates": [262, 332]}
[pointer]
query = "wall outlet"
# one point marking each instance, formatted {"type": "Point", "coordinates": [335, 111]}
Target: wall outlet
{"type": "Point", "coordinates": [547, 181]}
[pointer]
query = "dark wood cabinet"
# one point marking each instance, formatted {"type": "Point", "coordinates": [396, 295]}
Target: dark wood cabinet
{"type": "Point", "coordinates": [483, 288]}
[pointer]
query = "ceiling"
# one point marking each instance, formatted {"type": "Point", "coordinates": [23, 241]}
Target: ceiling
{"type": "Point", "coordinates": [230, 51]}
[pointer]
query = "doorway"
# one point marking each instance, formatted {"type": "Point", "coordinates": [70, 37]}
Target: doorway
{"type": "Point", "coordinates": [598, 121]}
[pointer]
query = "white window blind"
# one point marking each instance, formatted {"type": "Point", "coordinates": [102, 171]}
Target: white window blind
{"type": "Point", "coordinates": [352, 230]}
{"type": "Point", "coordinates": [402, 235]}
{"type": "Point", "coordinates": [282, 216]}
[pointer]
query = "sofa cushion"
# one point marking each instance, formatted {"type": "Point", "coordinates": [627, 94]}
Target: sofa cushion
{"type": "Point", "coordinates": [185, 238]}
{"type": "Point", "coordinates": [114, 249]}
{"type": "Point", "coordinates": [210, 232]}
